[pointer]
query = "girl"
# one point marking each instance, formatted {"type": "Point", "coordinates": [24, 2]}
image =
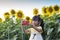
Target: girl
{"type": "Point", "coordinates": [36, 30]}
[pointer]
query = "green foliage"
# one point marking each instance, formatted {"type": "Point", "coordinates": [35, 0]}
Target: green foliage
{"type": "Point", "coordinates": [13, 31]}
{"type": "Point", "coordinates": [52, 27]}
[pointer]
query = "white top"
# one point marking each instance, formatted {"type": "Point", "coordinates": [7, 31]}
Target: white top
{"type": "Point", "coordinates": [35, 35]}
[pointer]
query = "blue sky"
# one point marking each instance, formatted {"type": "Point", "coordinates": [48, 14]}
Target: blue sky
{"type": "Point", "coordinates": [26, 5]}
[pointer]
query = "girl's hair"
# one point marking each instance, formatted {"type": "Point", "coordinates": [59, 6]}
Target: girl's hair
{"type": "Point", "coordinates": [37, 18]}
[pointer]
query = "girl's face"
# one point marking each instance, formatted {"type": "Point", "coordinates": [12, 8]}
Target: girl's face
{"type": "Point", "coordinates": [35, 23]}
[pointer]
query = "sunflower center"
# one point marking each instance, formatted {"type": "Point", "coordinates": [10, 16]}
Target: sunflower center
{"type": "Point", "coordinates": [19, 15]}
{"type": "Point", "coordinates": [50, 10]}
{"type": "Point", "coordinates": [56, 8]}
{"type": "Point", "coordinates": [45, 10]}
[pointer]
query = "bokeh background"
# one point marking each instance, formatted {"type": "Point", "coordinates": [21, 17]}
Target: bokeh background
{"type": "Point", "coordinates": [26, 5]}
{"type": "Point", "coordinates": [15, 13]}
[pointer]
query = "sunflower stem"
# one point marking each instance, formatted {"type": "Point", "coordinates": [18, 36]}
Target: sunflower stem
{"type": "Point", "coordinates": [22, 29]}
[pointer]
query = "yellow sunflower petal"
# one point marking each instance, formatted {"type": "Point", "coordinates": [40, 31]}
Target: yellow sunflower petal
{"type": "Point", "coordinates": [0, 19]}
{"type": "Point", "coordinates": [30, 20]}
{"type": "Point", "coordinates": [13, 12]}
{"type": "Point", "coordinates": [6, 15]}
{"type": "Point", "coordinates": [56, 8]}
{"type": "Point", "coordinates": [19, 14]}
{"type": "Point", "coordinates": [27, 18]}
{"type": "Point", "coordinates": [44, 10]}
{"type": "Point", "coordinates": [35, 11]}
{"type": "Point", "coordinates": [50, 11]}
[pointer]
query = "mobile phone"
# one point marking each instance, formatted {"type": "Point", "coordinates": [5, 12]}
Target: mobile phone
{"type": "Point", "coordinates": [25, 22]}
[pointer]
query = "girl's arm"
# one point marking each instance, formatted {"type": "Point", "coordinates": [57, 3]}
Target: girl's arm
{"type": "Point", "coordinates": [26, 31]}
{"type": "Point", "coordinates": [38, 29]}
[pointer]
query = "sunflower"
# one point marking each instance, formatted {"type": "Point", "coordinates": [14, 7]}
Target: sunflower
{"type": "Point", "coordinates": [56, 8]}
{"type": "Point", "coordinates": [12, 12]}
{"type": "Point", "coordinates": [30, 20]}
{"type": "Point", "coordinates": [59, 9]}
{"type": "Point", "coordinates": [50, 11]}
{"type": "Point", "coordinates": [6, 15]}
{"type": "Point", "coordinates": [0, 19]}
{"type": "Point", "coordinates": [19, 14]}
{"type": "Point", "coordinates": [27, 18]}
{"type": "Point", "coordinates": [44, 10]}
{"type": "Point", "coordinates": [35, 11]}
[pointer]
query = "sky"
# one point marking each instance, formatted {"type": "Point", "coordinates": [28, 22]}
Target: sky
{"type": "Point", "coordinates": [26, 6]}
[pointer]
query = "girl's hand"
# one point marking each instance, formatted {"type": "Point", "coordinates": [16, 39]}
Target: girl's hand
{"type": "Point", "coordinates": [23, 25]}
{"type": "Point", "coordinates": [31, 25]}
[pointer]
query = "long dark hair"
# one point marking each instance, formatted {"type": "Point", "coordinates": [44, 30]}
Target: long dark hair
{"type": "Point", "coordinates": [40, 20]}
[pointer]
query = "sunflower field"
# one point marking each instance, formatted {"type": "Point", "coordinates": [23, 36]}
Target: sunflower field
{"type": "Point", "coordinates": [11, 27]}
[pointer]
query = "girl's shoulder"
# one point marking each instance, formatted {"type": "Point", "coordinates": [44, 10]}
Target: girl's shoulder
{"type": "Point", "coordinates": [39, 27]}
{"type": "Point", "coordinates": [34, 29]}
{"type": "Point", "coordinates": [31, 29]}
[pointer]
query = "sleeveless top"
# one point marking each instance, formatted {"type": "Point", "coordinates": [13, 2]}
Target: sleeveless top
{"type": "Point", "coordinates": [35, 35]}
